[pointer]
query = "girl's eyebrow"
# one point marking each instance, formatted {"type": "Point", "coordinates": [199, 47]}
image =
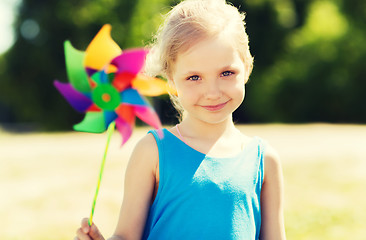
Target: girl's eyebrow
{"type": "Point", "coordinates": [230, 66]}
{"type": "Point", "coordinates": [190, 73]}
{"type": "Point", "coordinates": [226, 67]}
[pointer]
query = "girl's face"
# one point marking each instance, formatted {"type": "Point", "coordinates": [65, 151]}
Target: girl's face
{"type": "Point", "coordinates": [209, 78]}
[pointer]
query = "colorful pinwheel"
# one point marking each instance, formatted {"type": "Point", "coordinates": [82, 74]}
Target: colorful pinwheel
{"type": "Point", "coordinates": [107, 85]}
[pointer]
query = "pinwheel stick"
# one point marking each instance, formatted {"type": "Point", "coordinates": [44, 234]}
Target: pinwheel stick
{"type": "Point", "coordinates": [109, 135]}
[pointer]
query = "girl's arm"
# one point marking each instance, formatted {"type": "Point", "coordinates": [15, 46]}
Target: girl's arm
{"type": "Point", "coordinates": [140, 179]}
{"type": "Point", "coordinates": [139, 185]}
{"type": "Point", "coordinates": [272, 198]}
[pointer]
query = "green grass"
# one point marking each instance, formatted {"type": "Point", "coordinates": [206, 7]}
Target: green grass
{"type": "Point", "coordinates": [325, 200]}
{"type": "Point", "coordinates": [47, 181]}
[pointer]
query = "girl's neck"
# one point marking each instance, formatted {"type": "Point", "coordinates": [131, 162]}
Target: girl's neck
{"type": "Point", "coordinates": [216, 140]}
{"type": "Point", "coordinates": [194, 128]}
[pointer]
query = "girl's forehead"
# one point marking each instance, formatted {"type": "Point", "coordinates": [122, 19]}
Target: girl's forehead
{"type": "Point", "coordinates": [213, 46]}
{"type": "Point", "coordinates": [208, 54]}
{"type": "Point", "coordinates": [218, 41]}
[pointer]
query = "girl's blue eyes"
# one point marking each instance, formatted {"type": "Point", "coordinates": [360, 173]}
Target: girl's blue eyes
{"type": "Point", "coordinates": [223, 74]}
{"type": "Point", "coordinates": [194, 78]}
{"type": "Point", "coordinates": [227, 73]}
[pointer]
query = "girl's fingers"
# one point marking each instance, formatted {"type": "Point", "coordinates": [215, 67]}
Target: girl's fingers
{"type": "Point", "coordinates": [85, 225]}
{"type": "Point", "coordinates": [95, 234]}
{"type": "Point", "coordinates": [91, 232]}
{"type": "Point", "coordinates": [80, 235]}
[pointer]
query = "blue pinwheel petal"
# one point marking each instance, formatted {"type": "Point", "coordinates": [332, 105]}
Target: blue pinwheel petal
{"type": "Point", "coordinates": [109, 116]}
{"type": "Point", "coordinates": [100, 77]}
{"type": "Point", "coordinates": [131, 96]}
{"type": "Point", "coordinates": [76, 99]}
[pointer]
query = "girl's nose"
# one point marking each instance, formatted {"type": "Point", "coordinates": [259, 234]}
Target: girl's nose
{"type": "Point", "coordinates": [212, 90]}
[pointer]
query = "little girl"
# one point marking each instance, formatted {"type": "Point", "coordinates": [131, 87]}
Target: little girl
{"type": "Point", "coordinates": [202, 179]}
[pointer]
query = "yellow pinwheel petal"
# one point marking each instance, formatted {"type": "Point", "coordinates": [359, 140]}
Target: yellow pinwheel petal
{"type": "Point", "coordinates": [149, 86]}
{"type": "Point", "coordinates": [101, 50]}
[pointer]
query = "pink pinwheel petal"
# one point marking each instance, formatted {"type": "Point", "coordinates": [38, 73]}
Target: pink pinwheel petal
{"type": "Point", "coordinates": [77, 100]}
{"type": "Point", "coordinates": [148, 115]}
{"type": "Point", "coordinates": [124, 128]}
{"type": "Point", "coordinates": [130, 61]}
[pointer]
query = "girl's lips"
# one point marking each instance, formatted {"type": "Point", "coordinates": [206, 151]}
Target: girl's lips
{"type": "Point", "coordinates": [214, 108]}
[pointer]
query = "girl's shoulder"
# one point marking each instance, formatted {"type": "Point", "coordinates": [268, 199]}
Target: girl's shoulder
{"type": "Point", "coordinates": [147, 143]}
{"type": "Point", "coordinates": [145, 152]}
{"type": "Point", "coordinates": [272, 162]}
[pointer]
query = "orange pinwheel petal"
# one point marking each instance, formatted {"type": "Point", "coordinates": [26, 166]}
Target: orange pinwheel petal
{"type": "Point", "coordinates": [149, 86]}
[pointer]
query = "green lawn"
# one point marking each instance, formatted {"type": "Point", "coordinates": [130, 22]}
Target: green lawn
{"type": "Point", "coordinates": [47, 181]}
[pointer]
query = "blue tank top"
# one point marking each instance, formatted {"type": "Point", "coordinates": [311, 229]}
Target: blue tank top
{"type": "Point", "coordinates": [203, 197]}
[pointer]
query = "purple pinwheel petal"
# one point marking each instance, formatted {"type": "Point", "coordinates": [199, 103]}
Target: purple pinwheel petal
{"type": "Point", "coordinates": [148, 115]}
{"type": "Point", "coordinates": [124, 128]}
{"type": "Point", "coordinates": [131, 96]}
{"type": "Point", "coordinates": [90, 71]}
{"type": "Point", "coordinates": [130, 61]}
{"type": "Point", "coordinates": [76, 99]}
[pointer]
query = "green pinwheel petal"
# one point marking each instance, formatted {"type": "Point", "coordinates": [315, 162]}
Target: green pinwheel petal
{"type": "Point", "coordinates": [75, 68]}
{"type": "Point", "coordinates": [97, 77]}
{"type": "Point", "coordinates": [93, 123]}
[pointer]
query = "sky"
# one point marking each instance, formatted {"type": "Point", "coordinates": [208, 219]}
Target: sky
{"type": "Point", "coordinates": [7, 16]}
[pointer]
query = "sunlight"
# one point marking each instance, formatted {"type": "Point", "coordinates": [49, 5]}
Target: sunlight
{"type": "Point", "coordinates": [7, 17]}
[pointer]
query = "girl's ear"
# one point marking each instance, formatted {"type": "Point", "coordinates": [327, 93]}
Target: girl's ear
{"type": "Point", "coordinates": [172, 89]}
{"type": "Point", "coordinates": [170, 80]}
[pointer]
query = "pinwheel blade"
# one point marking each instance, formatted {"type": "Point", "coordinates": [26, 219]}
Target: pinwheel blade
{"type": "Point", "coordinates": [93, 122]}
{"type": "Point", "coordinates": [75, 68]}
{"type": "Point", "coordinates": [130, 96]}
{"type": "Point", "coordinates": [101, 50]}
{"type": "Point", "coordinates": [77, 100]}
{"type": "Point", "coordinates": [123, 80]}
{"type": "Point", "coordinates": [130, 61]}
{"type": "Point", "coordinates": [99, 77]}
{"type": "Point", "coordinates": [126, 113]}
{"type": "Point", "coordinates": [149, 86]}
{"type": "Point", "coordinates": [148, 115]}
{"type": "Point", "coordinates": [94, 108]}
{"type": "Point", "coordinates": [124, 128]}
{"type": "Point", "coordinates": [109, 116]}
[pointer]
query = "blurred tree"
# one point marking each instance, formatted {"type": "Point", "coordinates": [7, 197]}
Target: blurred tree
{"type": "Point", "coordinates": [317, 72]}
{"type": "Point", "coordinates": [309, 57]}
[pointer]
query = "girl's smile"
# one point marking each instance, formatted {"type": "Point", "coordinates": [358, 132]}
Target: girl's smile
{"type": "Point", "coordinates": [214, 108]}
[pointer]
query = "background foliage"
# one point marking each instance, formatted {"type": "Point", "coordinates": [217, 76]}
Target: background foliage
{"type": "Point", "coordinates": [309, 57]}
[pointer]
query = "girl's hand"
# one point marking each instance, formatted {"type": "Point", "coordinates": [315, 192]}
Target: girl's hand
{"type": "Point", "coordinates": [86, 232]}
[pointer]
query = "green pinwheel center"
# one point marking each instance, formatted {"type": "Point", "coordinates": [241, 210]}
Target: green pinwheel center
{"type": "Point", "coordinates": [106, 97]}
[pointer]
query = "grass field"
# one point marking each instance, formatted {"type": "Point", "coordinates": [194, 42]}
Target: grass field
{"type": "Point", "coordinates": [47, 181]}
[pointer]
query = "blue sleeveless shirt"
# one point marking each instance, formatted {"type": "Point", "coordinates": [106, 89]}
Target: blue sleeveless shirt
{"type": "Point", "coordinates": [203, 197]}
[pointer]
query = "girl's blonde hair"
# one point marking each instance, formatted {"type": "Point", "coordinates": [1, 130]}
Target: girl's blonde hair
{"type": "Point", "coordinates": [189, 22]}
